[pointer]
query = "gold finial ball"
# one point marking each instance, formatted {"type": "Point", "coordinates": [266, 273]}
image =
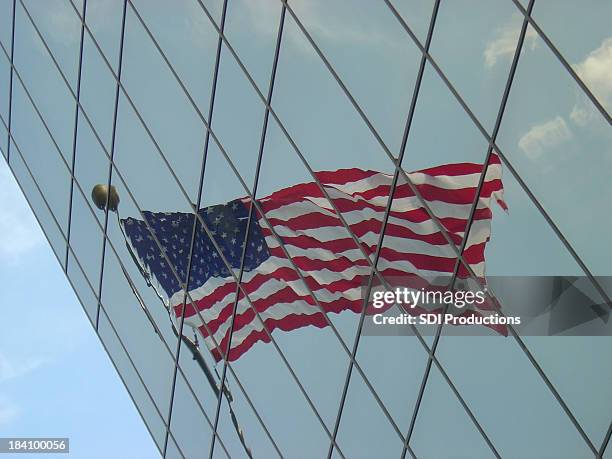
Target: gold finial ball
{"type": "Point", "coordinates": [100, 194]}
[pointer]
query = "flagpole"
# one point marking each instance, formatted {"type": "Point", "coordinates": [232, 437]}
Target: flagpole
{"type": "Point", "coordinates": [105, 200]}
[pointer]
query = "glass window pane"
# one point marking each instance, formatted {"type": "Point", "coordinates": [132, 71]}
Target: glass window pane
{"type": "Point", "coordinates": [547, 142]}
{"type": "Point", "coordinates": [172, 451]}
{"type": "Point", "coordinates": [48, 220]}
{"type": "Point", "coordinates": [385, 360]}
{"type": "Point", "coordinates": [417, 15]}
{"type": "Point", "coordinates": [85, 288]}
{"type": "Point", "coordinates": [122, 309]}
{"type": "Point", "coordinates": [86, 237]}
{"type": "Point", "coordinates": [188, 412]}
{"type": "Point", "coordinates": [5, 72]}
{"type": "Point", "coordinates": [282, 400]}
{"type": "Point", "coordinates": [589, 363]}
{"type": "Point", "coordinates": [44, 161]}
{"type": "Point", "coordinates": [5, 20]}
{"type": "Point", "coordinates": [365, 431]}
{"type": "Point", "coordinates": [177, 129]}
{"type": "Point", "coordinates": [441, 416]}
{"type": "Point", "coordinates": [251, 28]}
{"type": "Point", "coordinates": [103, 18]}
{"type": "Point", "coordinates": [373, 55]}
{"type": "Point", "coordinates": [506, 383]}
{"type": "Point", "coordinates": [586, 48]}
{"type": "Point", "coordinates": [474, 43]}
{"type": "Point", "coordinates": [44, 83]}
{"type": "Point", "coordinates": [187, 38]}
{"type": "Point", "coordinates": [60, 27]}
{"type": "Point", "coordinates": [236, 104]}
{"type": "Point", "coordinates": [145, 400]}
{"type": "Point", "coordinates": [495, 368]}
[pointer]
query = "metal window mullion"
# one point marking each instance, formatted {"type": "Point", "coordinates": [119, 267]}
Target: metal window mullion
{"type": "Point", "coordinates": [112, 149]}
{"type": "Point", "coordinates": [262, 142]}
{"type": "Point", "coordinates": [343, 87]}
{"type": "Point", "coordinates": [10, 99]}
{"type": "Point", "coordinates": [180, 186]}
{"type": "Point", "coordinates": [195, 228]}
{"type": "Point", "coordinates": [527, 191]}
{"type": "Point", "coordinates": [76, 127]}
{"type": "Point", "coordinates": [542, 211]}
{"type": "Point", "coordinates": [471, 215]}
{"type": "Point", "coordinates": [606, 440]}
{"type": "Point", "coordinates": [402, 151]}
{"type": "Point", "coordinates": [563, 61]}
{"type": "Point", "coordinates": [404, 175]}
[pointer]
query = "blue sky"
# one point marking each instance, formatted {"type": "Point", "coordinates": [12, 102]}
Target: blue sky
{"type": "Point", "coordinates": [552, 135]}
{"type": "Point", "coordinates": [55, 378]}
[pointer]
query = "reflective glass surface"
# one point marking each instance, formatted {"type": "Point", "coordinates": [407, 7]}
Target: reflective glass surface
{"type": "Point", "coordinates": [267, 176]}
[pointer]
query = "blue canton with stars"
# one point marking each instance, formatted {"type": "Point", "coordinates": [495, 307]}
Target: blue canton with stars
{"type": "Point", "coordinates": [226, 222]}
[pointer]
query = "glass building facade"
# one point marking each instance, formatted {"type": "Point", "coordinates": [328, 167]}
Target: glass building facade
{"type": "Point", "coordinates": [192, 103]}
